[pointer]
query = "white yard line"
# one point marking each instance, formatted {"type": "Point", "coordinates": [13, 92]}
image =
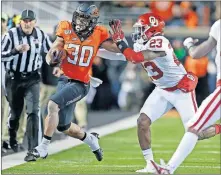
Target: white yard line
{"type": "Point", "coordinates": [61, 145]}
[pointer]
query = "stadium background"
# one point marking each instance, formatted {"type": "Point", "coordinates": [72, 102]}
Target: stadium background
{"type": "Point", "coordinates": [127, 84]}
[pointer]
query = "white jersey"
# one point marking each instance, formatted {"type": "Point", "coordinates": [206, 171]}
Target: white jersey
{"type": "Point", "coordinates": [215, 33]}
{"type": "Point", "coordinates": [165, 71]}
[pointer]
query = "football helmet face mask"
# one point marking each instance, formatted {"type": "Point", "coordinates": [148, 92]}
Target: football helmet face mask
{"type": "Point", "coordinates": [81, 23]}
{"type": "Point", "coordinates": [147, 26]}
{"type": "Point", "coordinates": [84, 19]}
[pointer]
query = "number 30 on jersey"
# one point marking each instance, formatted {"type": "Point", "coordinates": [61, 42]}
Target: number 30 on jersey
{"type": "Point", "coordinates": [79, 57]}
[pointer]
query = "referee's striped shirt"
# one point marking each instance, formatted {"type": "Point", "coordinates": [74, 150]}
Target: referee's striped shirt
{"type": "Point", "coordinates": [27, 61]}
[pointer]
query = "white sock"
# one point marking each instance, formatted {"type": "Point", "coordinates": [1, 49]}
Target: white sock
{"type": "Point", "coordinates": [185, 147]}
{"type": "Point", "coordinates": [42, 148]}
{"type": "Point", "coordinates": [44, 143]}
{"type": "Point", "coordinates": [92, 141]}
{"type": "Point", "coordinates": [148, 155]}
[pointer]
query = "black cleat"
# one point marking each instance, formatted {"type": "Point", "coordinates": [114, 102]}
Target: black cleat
{"type": "Point", "coordinates": [29, 158]}
{"type": "Point", "coordinates": [95, 134]}
{"type": "Point", "coordinates": [5, 145]}
{"type": "Point", "coordinates": [33, 155]}
{"type": "Point", "coordinates": [98, 153]}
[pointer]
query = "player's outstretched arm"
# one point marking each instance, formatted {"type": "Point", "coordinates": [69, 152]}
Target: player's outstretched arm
{"type": "Point", "coordinates": [103, 53]}
{"type": "Point", "coordinates": [110, 46]}
{"type": "Point", "coordinates": [200, 50]}
{"type": "Point", "coordinates": [53, 55]}
{"type": "Point", "coordinates": [130, 54]}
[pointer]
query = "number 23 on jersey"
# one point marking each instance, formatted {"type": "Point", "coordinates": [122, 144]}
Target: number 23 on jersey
{"type": "Point", "coordinates": [81, 54]}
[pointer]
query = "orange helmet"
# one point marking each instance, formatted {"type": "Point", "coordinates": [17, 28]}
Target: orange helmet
{"type": "Point", "coordinates": [147, 25]}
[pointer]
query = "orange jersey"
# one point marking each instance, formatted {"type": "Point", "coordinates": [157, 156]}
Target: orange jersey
{"type": "Point", "coordinates": [80, 55]}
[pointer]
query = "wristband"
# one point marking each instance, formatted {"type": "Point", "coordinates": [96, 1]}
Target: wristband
{"type": "Point", "coordinates": [122, 45]}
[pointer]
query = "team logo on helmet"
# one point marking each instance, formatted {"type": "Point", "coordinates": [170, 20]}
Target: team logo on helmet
{"type": "Point", "coordinates": [153, 21]}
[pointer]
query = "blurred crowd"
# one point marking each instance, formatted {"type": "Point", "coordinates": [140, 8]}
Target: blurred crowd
{"type": "Point", "coordinates": [183, 13]}
{"type": "Point", "coordinates": [127, 84]}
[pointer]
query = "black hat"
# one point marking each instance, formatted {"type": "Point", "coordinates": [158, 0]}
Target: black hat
{"type": "Point", "coordinates": [28, 14]}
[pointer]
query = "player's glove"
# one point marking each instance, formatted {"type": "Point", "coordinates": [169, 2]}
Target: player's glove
{"type": "Point", "coordinates": [118, 34]}
{"type": "Point", "coordinates": [189, 42]}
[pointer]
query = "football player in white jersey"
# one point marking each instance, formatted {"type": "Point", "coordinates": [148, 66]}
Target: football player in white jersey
{"type": "Point", "coordinates": [174, 86]}
{"type": "Point", "coordinates": [210, 110]}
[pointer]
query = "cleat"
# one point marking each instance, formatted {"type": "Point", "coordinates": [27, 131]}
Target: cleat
{"type": "Point", "coordinates": [148, 169]}
{"type": "Point", "coordinates": [159, 168]}
{"type": "Point", "coordinates": [29, 158]}
{"type": "Point", "coordinates": [95, 134]}
{"type": "Point", "coordinates": [99, 152]}
{"type": "Point", "coordinates": [5, 145]}
{"type": "Point", "coordinates": [33, 155]}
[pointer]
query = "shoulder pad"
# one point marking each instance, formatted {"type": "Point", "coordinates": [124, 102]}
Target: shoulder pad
{"type": "Point", "coordinates": [64, 24]}
{"type": "Point", "coordinates": [101, 28]}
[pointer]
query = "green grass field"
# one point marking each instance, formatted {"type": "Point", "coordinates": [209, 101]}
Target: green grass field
{"type": "Point", "coordinates": [122, 154]}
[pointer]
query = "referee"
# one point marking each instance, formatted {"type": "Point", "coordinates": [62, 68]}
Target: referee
{"type": "Point", "coordinates": [22, 48]}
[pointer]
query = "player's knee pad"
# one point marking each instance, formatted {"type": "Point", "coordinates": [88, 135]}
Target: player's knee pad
{"type": "Point", "coordinates": [64, 127]}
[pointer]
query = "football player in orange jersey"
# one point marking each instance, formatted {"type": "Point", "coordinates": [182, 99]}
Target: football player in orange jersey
{"type": "Point", "coordinates": [81, 38]}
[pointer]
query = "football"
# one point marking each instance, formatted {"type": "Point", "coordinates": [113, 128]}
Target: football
{"type": "Point", "coordinates": [62, 53]}
{"type": "Point", "coordinates": [57, 55]}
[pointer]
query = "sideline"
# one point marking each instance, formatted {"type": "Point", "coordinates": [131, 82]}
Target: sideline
{"type": "Point", "coordinates": [61, 145]}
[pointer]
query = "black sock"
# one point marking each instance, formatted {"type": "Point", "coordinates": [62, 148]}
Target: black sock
{"type": "Point", "coordinates": [47, 137]}
{"type": "Point", "coordinates": [85, 135]}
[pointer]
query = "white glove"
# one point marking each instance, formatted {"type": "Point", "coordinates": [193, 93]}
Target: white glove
{"type": "Point", "coordinates": [189, 42]}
